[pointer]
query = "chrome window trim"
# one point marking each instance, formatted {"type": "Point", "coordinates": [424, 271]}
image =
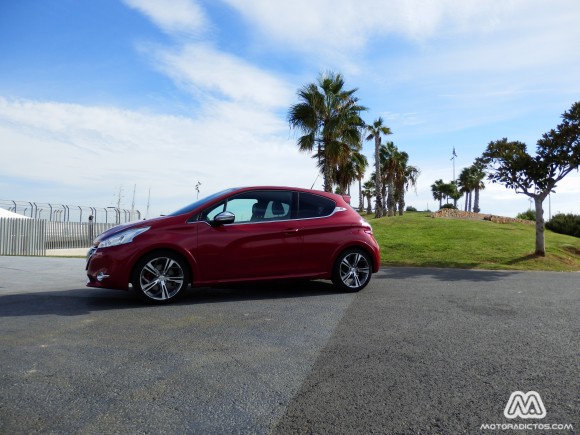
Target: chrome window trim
{"type": "Point", "coordinates": [337, 209]}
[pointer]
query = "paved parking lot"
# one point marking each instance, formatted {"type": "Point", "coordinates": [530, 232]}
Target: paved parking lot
{"type": "Point", "coordinates": [419, 350]}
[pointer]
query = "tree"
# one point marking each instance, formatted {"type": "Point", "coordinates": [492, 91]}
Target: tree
{"type": "Point", "coordinates": [375, 131]}
{"type": "Point", "coordinates": [329, 118]}
{"type": "Point", "coordinates": [471, 181]}
{"type": "Point", "coordinates": [369, 192]}
{"type": "Point", "coordinates": [396, 177]}
{"type": "Point", "coordinates": [446, 190]}
{"type": "Point", "coordinates": [466, 184]}
{"type": "Point", "coordinates": [478, 174]}
{"type": "Point", "coordinates": [346, 173]}
{"type": "Point", "coordinates": [557, 154]}
{"type": "Point", "coordinates": [390, 164]}
{"type": "Point", "coordinates": [360, 166]}
{"type": "Point", "coordinates": [405, 177]}
{"type": "Point", "coordinates": [436, 189]}
{"type": "Point", "coordinates": [453, 192]}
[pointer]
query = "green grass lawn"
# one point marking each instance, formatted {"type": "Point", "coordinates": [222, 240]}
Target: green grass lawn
{"type": "Point", "coordinates": [417, 239]}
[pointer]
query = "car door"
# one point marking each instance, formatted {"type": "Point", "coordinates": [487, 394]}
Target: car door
{"type": "Point", "coordinates": [321, 233]}
{"type": "Point", "coordinates": [262, 242]}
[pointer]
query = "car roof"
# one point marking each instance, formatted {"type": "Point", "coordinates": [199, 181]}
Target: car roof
{"type": "Point", "coordinates": [331, 195]}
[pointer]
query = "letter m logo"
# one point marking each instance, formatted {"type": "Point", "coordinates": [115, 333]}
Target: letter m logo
{"type": "Point", "coordinates": [525, 405]}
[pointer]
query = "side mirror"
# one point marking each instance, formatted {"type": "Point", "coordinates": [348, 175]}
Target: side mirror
{"type": "Point", "coordinates": [225, 217]}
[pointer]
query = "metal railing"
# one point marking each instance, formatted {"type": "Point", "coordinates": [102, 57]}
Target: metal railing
{"type": "Point", "coordinates": [34, 236]}
{"type": "Point", "coordinates": [66, 235]}
{"type": "Point", "coordinates": [70, 213]}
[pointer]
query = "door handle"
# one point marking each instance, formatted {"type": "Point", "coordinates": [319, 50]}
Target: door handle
{"type": "Point", "coordinates": [291, 231]}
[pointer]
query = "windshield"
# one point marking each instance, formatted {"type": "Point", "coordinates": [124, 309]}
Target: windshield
{"type": "Point", "coordinates": [196, 204]}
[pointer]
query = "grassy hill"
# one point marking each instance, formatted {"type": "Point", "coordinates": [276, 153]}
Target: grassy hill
{"type": "Point", "coordinates": [417, 239]}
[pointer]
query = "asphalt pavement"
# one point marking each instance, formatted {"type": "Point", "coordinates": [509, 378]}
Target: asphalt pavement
{"type": "Point", "coordinates": [417, 351]}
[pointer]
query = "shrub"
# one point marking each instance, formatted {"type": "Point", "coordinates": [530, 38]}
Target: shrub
{"type": "Point", "coordinates": [410, 208]}
{"type": "Point", "coordinates": [529, 215]}
{"type": "Point", "coordinates": [448, 206]}
{"type": "Point", "coordinates": [568, 224]}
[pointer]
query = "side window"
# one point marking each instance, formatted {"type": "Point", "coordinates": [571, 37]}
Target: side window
{"type": "Point", "coordinates": [314, 206]}
{"type": "Point", "coordinates": [258, 206]}
{"type": "Point", "coordinates": [271, 205]}
{"type": "Point", "coordinates": [210, 213]}
{"type": "Point", "coordinates": [277, 210]}
{"type": "Point", "coordinates": [242, 208]}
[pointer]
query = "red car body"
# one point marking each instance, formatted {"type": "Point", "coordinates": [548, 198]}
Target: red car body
{"type": "Point", "coordinates": [295, 243]}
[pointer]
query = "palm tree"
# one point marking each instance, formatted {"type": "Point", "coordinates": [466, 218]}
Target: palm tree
{"type": "Point", "coordinates": [390, 163]}
{"type": "Point", "coordinates": [346, 173]}
{"type": "Point", "coordinates": [466, 184]}
{"type": "Point", "coordinates": [478, 176]}
{"type": "Point", "coordinates": [329, 118]}
{"type": "Point", "coordinates": [443, 190]}
{"type": "Point", "coordinates": [438, 191]}
{"type": "Point", "coordinates": [471, 180]}
{"type": "Point", "coordinates": [453, 192]}
{"type": "Point", "coordinates": [405, 177]}
{"type": "Point", "coordinates": [360, 166]}
{"type": "Point", "coordinates": [375, 131]}
{"type": "Point", "coordinates": [369, 192]}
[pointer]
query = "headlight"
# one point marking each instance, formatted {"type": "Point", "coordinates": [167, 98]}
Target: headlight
{"type": "Point", "coordinates": [123, 237]}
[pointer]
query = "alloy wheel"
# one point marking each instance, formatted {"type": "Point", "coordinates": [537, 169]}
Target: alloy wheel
{"type": "Point", "coordinates": [354, 270]}
{"type": "Point", "coordinates": [161, 278]}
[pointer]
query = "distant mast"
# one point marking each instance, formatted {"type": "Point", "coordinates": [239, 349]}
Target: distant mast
{"type": "Point", "coordinates": [197, 185]}
{"type": "Point", "coordinates": [148, 199]}
{"type": "Point", "coordinates": [120, 196]}
{"type": "Point", "coordinates": [133, 203]}
{"type": "Point", "coordinates": [454, 156]}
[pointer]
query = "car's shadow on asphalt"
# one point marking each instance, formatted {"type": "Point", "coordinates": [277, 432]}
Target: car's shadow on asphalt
{"type": "Point", "coordinates": [75, 302]}
{"type": "Point", "coordinates": [257, 291]}
{"type": "Point", "coordinates": [448, 275]}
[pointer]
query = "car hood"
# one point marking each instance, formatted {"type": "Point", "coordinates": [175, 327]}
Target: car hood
{"type": "Point", "coordinates": [135, 224]}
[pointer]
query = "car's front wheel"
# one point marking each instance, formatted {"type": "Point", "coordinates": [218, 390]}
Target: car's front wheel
{"type": "Point", "coordinates": [352, 270]}
{"type": "Point", "coordinates": [160, 277]}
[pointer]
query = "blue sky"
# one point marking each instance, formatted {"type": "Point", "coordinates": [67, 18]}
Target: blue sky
{"type": "Point", "coordinates": [95, 96]}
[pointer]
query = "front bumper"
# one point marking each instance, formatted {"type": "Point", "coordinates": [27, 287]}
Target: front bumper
{"type": "Point", "coordinates": [108, 268]}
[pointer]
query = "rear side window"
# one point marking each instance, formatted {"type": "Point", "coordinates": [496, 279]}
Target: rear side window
{"type": "Point", "coordinates": [314, 206]}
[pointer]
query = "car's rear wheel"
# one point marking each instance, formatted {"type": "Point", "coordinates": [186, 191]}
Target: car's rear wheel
{"type": "Point", "coordinates": [352, 270]}
{"type": "Point", "coordinates": [160, 277]}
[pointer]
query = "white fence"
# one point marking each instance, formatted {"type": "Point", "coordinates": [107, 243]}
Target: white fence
{"type": "Point", "coordinates": [34, 237]}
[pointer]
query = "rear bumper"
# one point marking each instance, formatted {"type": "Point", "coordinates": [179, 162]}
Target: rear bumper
{"type": "Point", "coordinates": [377, 256]}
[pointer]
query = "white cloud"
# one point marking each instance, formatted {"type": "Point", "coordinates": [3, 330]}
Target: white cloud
{"type": "Point", "coordinates": [202, 70]}
{"type": "Point", "coordinates": [90, 151]}
{"type": "Point", "coordinates": [173, 16]}
{"type": "Point", "coordinates": [344, 24]}
{"type": "Point", "coordinates": [469, 47]}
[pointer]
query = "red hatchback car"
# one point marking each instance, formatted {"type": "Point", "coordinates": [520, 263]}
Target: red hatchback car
{"type": "Point", "coordinates": [242, 234]}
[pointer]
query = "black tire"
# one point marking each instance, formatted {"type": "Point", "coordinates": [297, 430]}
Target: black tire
{"type": "Point", "coordinates": [352, 270]}
{"type": "Point", "coordinates": [161, 277]}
